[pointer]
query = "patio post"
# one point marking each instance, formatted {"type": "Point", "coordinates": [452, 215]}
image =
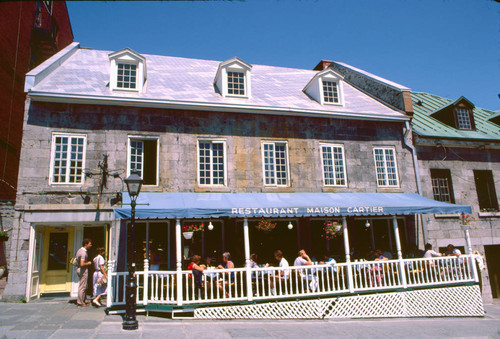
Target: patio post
{"type": "Point", "coordinates": [146, 281]}
{"type": "Point", "coordinates": [146, 268]}
{"type": "Point", "coordinates": [466, 228]}
{"type": "Point", "coordinates": [111, 283]}
{"type": "Point", "coordinates": [247, 259]}
{"type": "Point", "coordinates": [402, 273]}
{"type": "Point", "coordinates": [178, 251]}
{"type": "Point", "coordinates": [350, 278]}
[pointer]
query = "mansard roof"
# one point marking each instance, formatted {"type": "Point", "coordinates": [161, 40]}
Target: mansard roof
{"type": "Point", "coordinates": [82, 75]}
{"type": "Point", "coordinates": [426, 124]}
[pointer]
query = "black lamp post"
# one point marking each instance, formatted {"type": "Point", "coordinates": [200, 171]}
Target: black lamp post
{"type": "Point", "coordinates": [134, 183]}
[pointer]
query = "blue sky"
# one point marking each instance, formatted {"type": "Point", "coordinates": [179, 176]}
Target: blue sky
{"type": "Point", "coordinates": [445, 47]}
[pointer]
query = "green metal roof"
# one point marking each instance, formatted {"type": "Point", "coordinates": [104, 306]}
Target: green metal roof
{"type": "Point", "coordinates": [425, 104]}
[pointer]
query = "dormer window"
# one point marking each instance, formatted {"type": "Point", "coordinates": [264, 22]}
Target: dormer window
{"type": "Point", "coordinates": [463, 118]}
{"type": "Point", "coordinates": [128, 71]}
{"type": "Point", "coordinates": [326, 88]}
{"type": "Point", "coordinates": [457, 114]}
{"type": "Point", "coordinates": [233, 78]}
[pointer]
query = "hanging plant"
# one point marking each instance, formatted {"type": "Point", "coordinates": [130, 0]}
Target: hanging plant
{"type": "Point", "coordinates": [332, 229]}
{"type": "Point", "coordinates": [4, 236]}
{"type": "Point", "coordinates": [265, 225]}
{"type": "Point", "coordinates": [193, 228]}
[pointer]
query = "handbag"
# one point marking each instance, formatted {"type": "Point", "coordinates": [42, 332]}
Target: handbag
{"type": "Point", "coordinates": [74, 262]}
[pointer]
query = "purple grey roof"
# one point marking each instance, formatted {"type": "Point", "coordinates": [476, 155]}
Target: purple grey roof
{"type": "Point", "coordinates": [175, 80]}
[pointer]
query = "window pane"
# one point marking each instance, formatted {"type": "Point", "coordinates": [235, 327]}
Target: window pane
{"type": "Point", "coordinates": [211, 163]}
{"type": "Point", "coordinates": [330, 92]}
{"type": "Point", "coordinates": [441, 185]}
{"type": "Point", "coordinates": [463, 118]}
{"type": "Point", "coordinates": [385, 164]}
{"type": "Point", "coordinates": [126, 76]}
{"type": "Point", "coordinates": [236, 83]}
{"type": "Point", "coordinates": [136, 155]}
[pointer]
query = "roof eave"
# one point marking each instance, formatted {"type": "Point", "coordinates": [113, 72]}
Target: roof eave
{"type": "Point", "coordinates": [176, 104]}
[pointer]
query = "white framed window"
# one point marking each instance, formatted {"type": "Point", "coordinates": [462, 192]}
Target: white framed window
{"type": "Point", "coordinates": [143, 155]}
{"type": "Point", "coordinates": [275, 163]}
{"type": "Point", "coordinates": [463, 118]}
{"type": "Point", "coordinates": [330, 92]}
{"type": "Point", "coordinates": [235, 83]}
{"type": "Point", "coordinates": [127, 71]}
{"type": "Point", "coordinates": [333, 161]}
{"type": "Point", "coordinates": [386, 167]}
{"type": "Point", "coordinates": [67, 158]}
{"type": "Point", "coordinates": [126, 77]}
{"type": "Point", "coordinates": [211, 162]}
{"type": "Point", "coordinates": [326, 87]}
{"type": "Point", "coordinates": [233, 78]}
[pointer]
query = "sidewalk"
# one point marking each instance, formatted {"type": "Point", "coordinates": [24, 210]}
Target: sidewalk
{"type": "Point", "coordinates": [58, 318]}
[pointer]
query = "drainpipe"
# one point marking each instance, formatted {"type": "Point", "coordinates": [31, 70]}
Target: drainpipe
{"type": "Point", "coordinates": [418, 217]}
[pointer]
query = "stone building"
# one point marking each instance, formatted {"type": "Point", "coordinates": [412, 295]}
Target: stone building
{"type": "Point", "coordinates": [458, 147]}
{"type": "Point", "coordinates": [200, 126]}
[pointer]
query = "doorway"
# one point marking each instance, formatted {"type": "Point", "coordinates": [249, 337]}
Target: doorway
{"type": "Point", "coordinates": [492, 253]}
{"type": "Point", "coordinates": [56, 271]}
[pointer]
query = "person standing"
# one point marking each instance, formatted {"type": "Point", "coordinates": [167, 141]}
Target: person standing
{"type": "Point", "coordinates": [82, 258]}
{"type": "Point", "coordinates": [100, 277]}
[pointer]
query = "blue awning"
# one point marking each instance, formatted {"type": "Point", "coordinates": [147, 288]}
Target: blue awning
{"type": "Point", "coordinates": [238, 205]}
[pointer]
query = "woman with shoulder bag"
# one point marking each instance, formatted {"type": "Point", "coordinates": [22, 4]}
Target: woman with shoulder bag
{"type": "Point", "coordinates": [100, 277]}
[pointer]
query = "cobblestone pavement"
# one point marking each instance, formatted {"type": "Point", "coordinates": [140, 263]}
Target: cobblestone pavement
{"type": "Point", "coordinates": [62, 319]}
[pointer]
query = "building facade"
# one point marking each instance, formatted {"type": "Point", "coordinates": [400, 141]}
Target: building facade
{"type": "Point", "coordinates": [31, 32]}
{"type": "Point", "coordinates": [196, 126]}
{"type": "Point", "coordinates": [458, 147]}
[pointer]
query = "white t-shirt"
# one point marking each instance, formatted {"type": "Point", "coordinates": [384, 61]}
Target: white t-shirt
{"type": "Point", "coordinates": [431, 253]}
{"type": "Point", "coordinates": [284, 263]}
{"type": "Point", "coordinates": [299, 261]}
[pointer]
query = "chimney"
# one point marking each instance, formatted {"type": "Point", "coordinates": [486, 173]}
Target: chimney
{"type": "Point", "coordinates": [322, 65]}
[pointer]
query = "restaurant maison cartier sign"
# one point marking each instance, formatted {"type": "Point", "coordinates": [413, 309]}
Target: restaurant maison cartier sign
{"type": "Point", "coordinates": [258, 211]}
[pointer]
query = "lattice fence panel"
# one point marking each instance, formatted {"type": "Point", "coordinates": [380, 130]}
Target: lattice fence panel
{"type": "Point", "coordinates": [440, 302]}
{"type": "Point", "coordinates": [305, 309]}
{"type": "Point", "coordinates": [452, 301]}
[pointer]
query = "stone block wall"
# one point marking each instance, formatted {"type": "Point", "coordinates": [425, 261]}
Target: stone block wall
{"type": "Point", "coordinates": [108, 128]}
{"type": "Point", "coordinates": [462, 161]}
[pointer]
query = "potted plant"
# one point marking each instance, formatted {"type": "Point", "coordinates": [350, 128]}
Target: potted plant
{"type": "Point", "coordinates": [188, 230]}
{"type": "Point", "coordinates": [332, 229]}
{"type": "Point", "coordinates": [4, 236]}
{"type": "Point", "coordinates": [265, 225]}
{"type": "Point", "coordinates": [2, 270]}
{"type": "Point", "coordinates": [466, 220]}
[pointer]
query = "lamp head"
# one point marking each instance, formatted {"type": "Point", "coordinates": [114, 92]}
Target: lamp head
{"type": "Point", "coordinates": [367, 224]}
{"type": "Point", "coordinates": [290, 225]}
{"type": "Point", "coordinates": [134, 184]}
{"type": "Point", "coordinates": [210, 226]}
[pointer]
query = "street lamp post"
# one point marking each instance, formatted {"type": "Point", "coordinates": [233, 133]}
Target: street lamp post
{"type": "Point", "coordinates": [134, 183]}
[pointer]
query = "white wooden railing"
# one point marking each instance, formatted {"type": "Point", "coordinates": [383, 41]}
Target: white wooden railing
{"type": "Point", "coordinates": [233, 285]}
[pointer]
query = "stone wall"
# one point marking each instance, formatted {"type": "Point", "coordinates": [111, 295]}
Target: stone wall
{"type": "Point", "coordinates": [107, 129]}
{"type": "Point", "coordinates": [443, 230]}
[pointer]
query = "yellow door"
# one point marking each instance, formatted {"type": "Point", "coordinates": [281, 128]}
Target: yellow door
{"type": "Point", "coordinates": [57, 251]}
